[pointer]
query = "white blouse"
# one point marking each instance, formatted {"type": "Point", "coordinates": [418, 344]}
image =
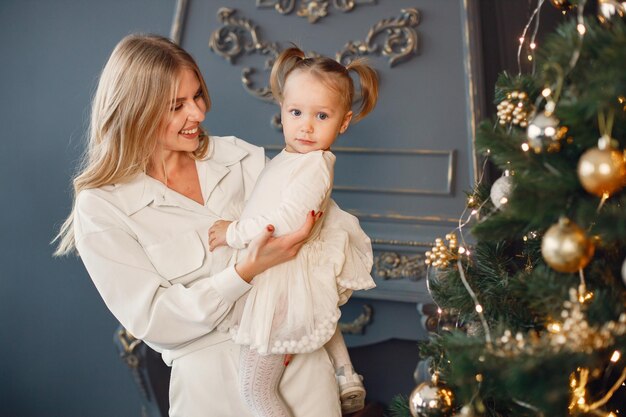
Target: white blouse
{"type": "Point", "coordinates": [146, 249]}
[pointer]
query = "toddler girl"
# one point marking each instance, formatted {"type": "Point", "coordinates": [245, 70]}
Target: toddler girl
{"type": "Point", "coordinates": [293, 307]}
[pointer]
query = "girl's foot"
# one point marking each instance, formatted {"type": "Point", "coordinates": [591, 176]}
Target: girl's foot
{"type": "Point", "coordinates": [351, 390]}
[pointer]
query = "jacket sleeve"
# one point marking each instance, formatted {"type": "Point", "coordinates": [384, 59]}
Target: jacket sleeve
{"type": "Point", "coordinates": [164, 314]}
{"type": "Point", "coordinates": [307, 190]}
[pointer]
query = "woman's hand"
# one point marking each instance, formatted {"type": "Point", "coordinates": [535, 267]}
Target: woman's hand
{"type": "Point", "coordinates": [266, 251]}
{"type": "Point", "coordinates": [217, 234]}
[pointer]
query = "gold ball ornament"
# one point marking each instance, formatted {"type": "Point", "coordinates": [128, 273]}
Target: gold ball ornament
{"type": "Point", "coordinates": [430, 400]}
{"type": "Point", "coordinates": [562, 5]}
{"type": "Point", "coordinates": [609, 9]}
{"type": "Point", "coordinates": [544, 133]}
{"type": "Point", "coordinates": [566, 247]}
{"type": "Point", "coordinates": [602, 170]}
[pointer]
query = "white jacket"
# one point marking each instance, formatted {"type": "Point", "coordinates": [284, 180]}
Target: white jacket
{"type": "Point", "coordinates": [146, 249]}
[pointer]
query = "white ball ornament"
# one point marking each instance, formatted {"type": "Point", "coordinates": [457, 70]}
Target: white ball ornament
{"type": "Point", "coordinates": [501, 190]}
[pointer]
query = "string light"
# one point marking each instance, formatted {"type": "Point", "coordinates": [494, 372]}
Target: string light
{"type": "Point", "coordinates": [615, 356]}
{"type": "Point", "coordinates": [581, 29]}
{"type": "Point", "coordinates": [525, 147]}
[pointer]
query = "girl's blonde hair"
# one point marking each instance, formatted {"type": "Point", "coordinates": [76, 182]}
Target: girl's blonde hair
{"type": "Point", "coordinates": [336, 75]}
{"type": "Point", "coordinates": [134, 97]}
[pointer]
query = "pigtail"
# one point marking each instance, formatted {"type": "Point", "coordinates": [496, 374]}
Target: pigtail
{"type": "Point", "coordinates": [284, 64]}
{"type": "Point", "coordinates": [368, 80]}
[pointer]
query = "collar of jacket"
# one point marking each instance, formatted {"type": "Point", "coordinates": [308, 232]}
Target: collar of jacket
{"type": "Point", "coordinates": [143, 190]}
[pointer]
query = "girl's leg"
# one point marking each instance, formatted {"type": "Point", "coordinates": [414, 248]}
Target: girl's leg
{"type": "Point", "coordinates": [337, 350]}
{"type": "Point", "coordinates": [351, 390]}
{"type": "Point", "coordinates": [259, 376]}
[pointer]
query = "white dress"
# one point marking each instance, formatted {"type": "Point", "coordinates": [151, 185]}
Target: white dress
{"type": "Point", "coordinates": [146, 250]}
{"type": "Point", "coordinates": [294, 307]}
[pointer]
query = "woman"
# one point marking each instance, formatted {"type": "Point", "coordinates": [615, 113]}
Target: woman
{"type": "Point", "coordinates": [151, 185]}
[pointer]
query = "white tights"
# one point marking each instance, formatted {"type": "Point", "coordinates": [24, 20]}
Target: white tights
{"type": "Point", "coordinates": [259, 376]}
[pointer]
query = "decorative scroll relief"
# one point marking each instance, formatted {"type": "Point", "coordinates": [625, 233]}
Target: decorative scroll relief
{"type": "Point", "coordinates": [313, 10]}
{"type": "Point", "coordinates": [357, 326]}
{"type": "Point", "coordinates": [393, 266]}
{"type": "Point", "coordinates": [239, 36]}
{"type": "Point", "coordinates": [400, 44]}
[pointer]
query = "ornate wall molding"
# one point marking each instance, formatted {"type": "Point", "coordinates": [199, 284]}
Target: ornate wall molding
{"type": "Point", "coordinates": [313, 10]}
{"type": "Point", "coordinates": [444, 189]}
{"type": "Point", "coordinates": [178, 21]}
{"type": "Point", "coordinates": [400, 44]}
{"type": "Point", "coordinates": [239, 36]}
{"type": "Point", "coordinates": [393, 266]}
{"type": "Point", "coordinates": [357, 326]}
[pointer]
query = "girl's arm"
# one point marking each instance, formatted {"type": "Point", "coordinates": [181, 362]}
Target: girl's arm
{"type": "Point", "coordinates": [164, 313]}
{"type": "Point", "coordinates": [310, 185]}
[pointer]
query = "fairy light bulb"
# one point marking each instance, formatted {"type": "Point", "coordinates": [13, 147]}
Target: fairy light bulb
{"type": "Point", "coordinates": [615, 356]}
{"type": "Point", "coordinates": [581, 29]}
{"type": "Point", "coordinates": [546, 92]}
{"type": "Point", "coordinates": [554, 327]}
{"type": "Point", "coordinates": [525, 147]}
{"type": "Point", "coordinates": [479, 308]}
{"type": "Point", "coordinates": [533, 45]}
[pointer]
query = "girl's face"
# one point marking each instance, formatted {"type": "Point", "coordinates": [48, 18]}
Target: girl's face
{"type": "Point", "coordinates": [182, 125]}
{"type": "Point", "coordinates": [312, 114]}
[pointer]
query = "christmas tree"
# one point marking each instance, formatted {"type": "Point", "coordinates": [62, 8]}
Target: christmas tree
{"type": "Point", "coordinates": [532, 285]}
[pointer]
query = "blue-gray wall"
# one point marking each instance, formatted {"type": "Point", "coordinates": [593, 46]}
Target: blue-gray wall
{"type": "Point", "coordinates": [56, 353]}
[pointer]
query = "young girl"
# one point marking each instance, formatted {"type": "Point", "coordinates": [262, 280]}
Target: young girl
{"type": "Point", "coordinates": [294, 308]}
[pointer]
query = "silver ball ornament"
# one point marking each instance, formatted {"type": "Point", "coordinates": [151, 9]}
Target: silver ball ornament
{"type": "Point", "coordinates": [430, 400]}
{"type": "Point", "coordinates": [501, 190]}
{"type": "Point", "coordinates": [544, 132]}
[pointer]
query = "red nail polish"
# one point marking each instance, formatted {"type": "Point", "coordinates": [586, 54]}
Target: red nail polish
{"type": "Point", "coordinates": [312, 212]}
{"type": "Point", "coordinates": [270, 228]}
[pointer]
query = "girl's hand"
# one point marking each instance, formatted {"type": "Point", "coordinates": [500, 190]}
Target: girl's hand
{"type": "Point", "coordinates": [217, 234]}
{"type": "Point", "coordinates": [266, 251]}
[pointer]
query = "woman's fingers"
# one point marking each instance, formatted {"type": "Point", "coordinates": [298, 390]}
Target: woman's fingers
{"type": "Point", "coordinates": [287, 359]}
{"type": "Point", "coordinates": [302, 234]}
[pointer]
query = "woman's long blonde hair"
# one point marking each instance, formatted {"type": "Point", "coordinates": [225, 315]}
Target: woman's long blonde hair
{"type": "Point", "coordinates": [136, 89]}
{"type": "Point", "coordinates": [336, 75]}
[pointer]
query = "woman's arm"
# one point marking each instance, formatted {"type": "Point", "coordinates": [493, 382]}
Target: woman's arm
{"type": "Point", "coordinates": [309, 186]}
{"type": "Point", "coordinates": [152, 308]}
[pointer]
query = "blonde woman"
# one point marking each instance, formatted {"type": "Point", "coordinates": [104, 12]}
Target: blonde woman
{"type": "Point", "coordinates": [151, 185]}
